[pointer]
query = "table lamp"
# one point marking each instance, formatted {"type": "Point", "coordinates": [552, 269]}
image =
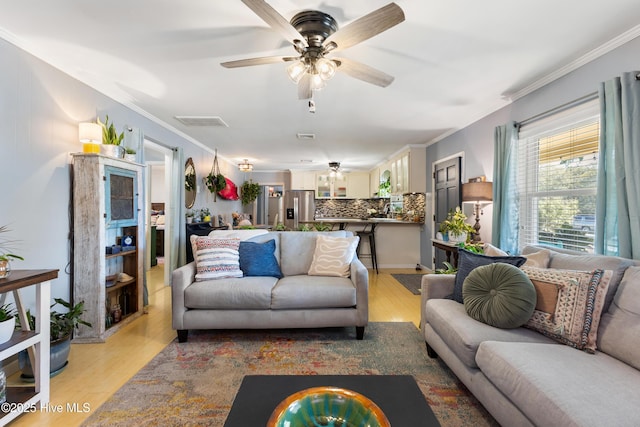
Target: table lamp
{"type": "Point", "coordinates": [477, 192]}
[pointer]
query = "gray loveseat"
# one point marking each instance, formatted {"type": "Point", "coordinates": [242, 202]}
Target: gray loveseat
{"type": "Point", "coordinates": [296, 300]}
{"type": "Point", "coordinates": [526, 379]}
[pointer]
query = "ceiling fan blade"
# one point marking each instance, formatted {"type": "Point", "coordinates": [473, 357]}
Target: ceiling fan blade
{"type": "Point", "coordinates": [257, 61]}
{"type": "Point", "coordinates": [364, 72]}
{"type": "Point", "coordinates": [276, 21]}
{"type": "Point", "coordinates": [304, 87]}
{"type": "Point", "coordinates": [367, 26]}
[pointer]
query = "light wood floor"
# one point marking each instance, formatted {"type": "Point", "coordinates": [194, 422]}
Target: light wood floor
{"type": "Point", "coordinates": [96, 371]}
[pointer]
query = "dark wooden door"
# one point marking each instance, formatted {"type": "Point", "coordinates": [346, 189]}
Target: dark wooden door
{"type": "Point", "coordinates": [448, 190]}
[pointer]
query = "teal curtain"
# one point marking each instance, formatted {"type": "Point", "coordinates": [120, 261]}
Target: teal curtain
{"type": "Point", "coordinates": [505, 223]}
{"type": "Point", "coordinates": [617, 217]}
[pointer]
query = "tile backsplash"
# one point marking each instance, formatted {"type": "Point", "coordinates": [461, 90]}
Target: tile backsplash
{"type": "Point", "coordinates": [357, 208]}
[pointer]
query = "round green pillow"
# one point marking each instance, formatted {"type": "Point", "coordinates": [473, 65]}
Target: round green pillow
{"type": "Point", "coordinates": [499, 295]}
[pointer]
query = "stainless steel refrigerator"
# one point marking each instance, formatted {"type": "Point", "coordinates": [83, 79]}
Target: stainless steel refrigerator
{"type": "Point", "coordinates": [299, 208]}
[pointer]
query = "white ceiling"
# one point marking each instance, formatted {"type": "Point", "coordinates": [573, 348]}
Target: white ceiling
{"type": "Point", "coordinates": [454, 62]}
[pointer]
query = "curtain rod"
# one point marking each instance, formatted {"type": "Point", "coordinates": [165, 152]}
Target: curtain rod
{"type": "Point", "coordinates": [559, 108]}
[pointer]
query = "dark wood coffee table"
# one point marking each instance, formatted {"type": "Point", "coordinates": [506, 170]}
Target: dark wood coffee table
{"type": "Point", "coordinates": [398, 396]}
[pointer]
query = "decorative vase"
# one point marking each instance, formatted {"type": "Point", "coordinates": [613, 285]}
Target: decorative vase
{"type": "Point", "coordinates": [59, 356]}
{"type": "Point", "coordinates": [111, 150]}
{"type": "Point", "coordinates": [6, 329]}
{"type": "Point", "coordinates": [457, 238]}
{"type": "Point", "coordinates": [5, 269]}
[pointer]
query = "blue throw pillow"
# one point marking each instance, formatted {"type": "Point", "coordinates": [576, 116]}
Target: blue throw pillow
{"type": "Point", "coordinates": [468, 260]}
{"type": "Point", "coordinates": [258, 259]}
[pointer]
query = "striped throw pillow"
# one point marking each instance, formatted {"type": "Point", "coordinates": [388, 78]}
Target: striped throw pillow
{"type": "Point", "coordinates": [216, 258]}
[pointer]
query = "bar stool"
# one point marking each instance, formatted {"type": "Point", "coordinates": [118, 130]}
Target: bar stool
{"type": "Point", "coordinates": [371, 236]}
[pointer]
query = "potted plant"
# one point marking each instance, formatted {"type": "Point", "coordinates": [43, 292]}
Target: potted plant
{"type": "Point", "coordinates": [249, 192]}
{"type": "Point", "coordinates": [5, 255]}
{"type": "Point", "coordinates": [111, 140]}
{"type": "Point", "coordinates": [130, 154]}
{"type": "Point", "coordinates": [7, 322]}
{"type": "Point", "coordinates": [205, 213]}
{"type": "Point", "coordinates": [61, 327]}
{"type": "Point", "coordinates": [455, 226]}
{"type": "Point", "coordinates": [190, 216]}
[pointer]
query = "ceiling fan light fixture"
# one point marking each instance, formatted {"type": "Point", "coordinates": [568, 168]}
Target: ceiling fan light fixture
{"type": "Point", "coordinates": [317, 82]}
{"type": "Point", "coordinates": [326, 68]}
{"type": "Point", "coordinates": [296, 71]}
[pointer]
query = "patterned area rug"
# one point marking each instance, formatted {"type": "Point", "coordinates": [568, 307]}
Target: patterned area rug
{"type": "Point", "coordinates": [194, 383]}
{"type": "Point", "coordinates": [413, 282]}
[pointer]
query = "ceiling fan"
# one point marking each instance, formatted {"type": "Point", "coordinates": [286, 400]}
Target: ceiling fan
{"type": "Point", "coordinates": [314, 35]}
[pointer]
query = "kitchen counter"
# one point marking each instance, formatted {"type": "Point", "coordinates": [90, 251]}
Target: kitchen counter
{"type": "Point", "coordinates": [343, 222]}
{"type": "Point", "coordinates": [397, 241]}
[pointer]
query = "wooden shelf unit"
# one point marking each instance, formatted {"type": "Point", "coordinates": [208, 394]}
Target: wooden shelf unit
{"type": "Point", "coordinates": [97, 225]}
{"type": "Point", "coordinates": [35, 342]}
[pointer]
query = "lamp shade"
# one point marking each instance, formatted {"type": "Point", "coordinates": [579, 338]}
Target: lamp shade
{"type": "Point", "coordinates": [90, 134]}
{"type": "Point", "coordinates": [477, 192]}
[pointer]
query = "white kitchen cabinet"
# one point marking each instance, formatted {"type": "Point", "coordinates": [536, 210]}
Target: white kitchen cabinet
{"type": "Point", "coordinates": [329, 187]}
{"type": "Point", "coordinates": [358, 185]}
{"type": "Point", "coordinates": [303, 180]}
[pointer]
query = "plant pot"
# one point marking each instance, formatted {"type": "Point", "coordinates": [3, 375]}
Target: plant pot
{"type": "Point", "coordinates": [130, 157]}
{"type": "Point", "coordinates": [457, 238]}
{"type": "Point", "coordinates": [111, 150]}
{"type": "Point", "coordinates": [6, 329]}
{"type": "Point", "coordinates": [58, 353]}
{"type": "Point", "coordinates": [5, 269]}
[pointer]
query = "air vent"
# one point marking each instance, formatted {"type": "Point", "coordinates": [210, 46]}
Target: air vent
{"type": "Point", "coordinates": [306, 135]}
{"type": "Point", "coordinates": [202, 121]}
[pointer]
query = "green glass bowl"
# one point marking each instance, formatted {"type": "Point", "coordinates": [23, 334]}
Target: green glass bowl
{"type": "Point", "coordinates": [327, 406]}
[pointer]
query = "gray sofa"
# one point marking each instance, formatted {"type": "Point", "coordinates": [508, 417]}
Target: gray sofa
{"type": "Point", "coordinates": [296, 300]}
{"type": "Point", "coordinates": [526, 379]}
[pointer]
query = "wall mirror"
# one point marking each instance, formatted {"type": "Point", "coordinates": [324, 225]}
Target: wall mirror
{"type": "Point", "coordinates": [189, 184]}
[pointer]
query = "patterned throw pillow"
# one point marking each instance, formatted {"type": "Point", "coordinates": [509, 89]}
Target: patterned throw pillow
{"type": "Point", "coordinates": [468, 260]}
{"type": "Point", "coordinates": [216, 258]}
{"type": "Point", "coordinates": [258, 259]}
{"type": "Point", "coordinates": [569, 304]}
{"type": "Point", "coordinates": [333, 255]}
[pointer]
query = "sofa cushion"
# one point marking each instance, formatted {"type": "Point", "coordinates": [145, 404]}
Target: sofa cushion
{"type": "Point", "coordinates": [467, 261]}
{"type": "Point", "coordinates": [464, 334]}
{"type": "Point", "coordinates": [589, 262]}
{"type": "Point", "coordinates": [297, 248]}
{"type": "Point", "coordinates": [258, 259]}
{"type": "Point", "coordinates": [556, 385]}
{"type": "Point", "coordinates": [499, 295]}
{"type": "Point", "coordinates": [538, 259]}
{"type": "Point", "coordinates": [296, 292]}
{"type": "Point", "coordinates": [619, 333]}
{"type": "Point", "coordinates": [246, 293]}
{"type": "Point", "coordinates": [580, 299]}
{"type": "Point", "coordinates": [216, 258]}
{"type": "Point", "coordinates": [333, 255]}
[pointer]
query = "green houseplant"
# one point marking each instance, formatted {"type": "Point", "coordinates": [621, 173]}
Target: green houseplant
{"type": "Point", "coordinates": [5, 255]}
{"type": "Point", "coordinates": [62, 325]}
{"type": "Point", "coordinates": [455, 226]}
{"type": "Point", "coordinates": [249, 192]}
{"type": "Point", "coordinates": [111, 140]}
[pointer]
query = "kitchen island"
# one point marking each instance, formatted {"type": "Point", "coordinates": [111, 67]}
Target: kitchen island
{"type": "Point", "coordinates": [397, 241]}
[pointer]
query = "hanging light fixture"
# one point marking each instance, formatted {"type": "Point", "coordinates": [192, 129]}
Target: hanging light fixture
{"type": "Point", "coordinates": [334, 168]}
{"type": "Point", "coordinates": [245, 166]}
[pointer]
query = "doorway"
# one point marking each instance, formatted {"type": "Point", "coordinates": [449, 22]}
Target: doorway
{"type": "Point", "coordinates": [158, 160]}
{"type": "Point", "coordinates": [269, 205]}
{"type": "Point", "coordinates": [446, 195]}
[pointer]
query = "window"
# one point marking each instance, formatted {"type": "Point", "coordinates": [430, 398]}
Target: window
{"type": "Point", "coordinates": [557, 161]}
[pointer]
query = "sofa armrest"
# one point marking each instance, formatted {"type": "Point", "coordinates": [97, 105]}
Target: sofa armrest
{"type": "Point", "coordinates": [434, 286]}
{"type": "Point", "coordinates": [360, 279]}
{"type": "Point", "coordinates": [181, 278]}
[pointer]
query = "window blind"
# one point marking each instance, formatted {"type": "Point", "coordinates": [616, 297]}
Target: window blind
{"type": "Point", "coordinates": [557, 179]}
